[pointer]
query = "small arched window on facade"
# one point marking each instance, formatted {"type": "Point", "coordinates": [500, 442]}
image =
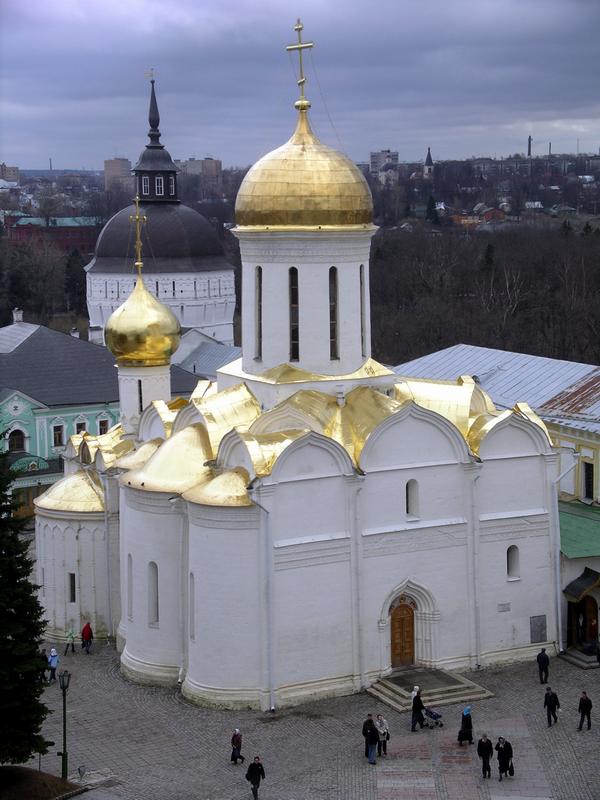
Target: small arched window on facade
{"type": "Point", "coordinates": [16, 441]}
{"type": "Point", "coordinates": [513, 571]}
{"type": "Point", "coordinates": [129, 587]}
{"type": "Point", "coordinates": [412, 499]}
{"type": "Point", "coordinates": [153, 616]}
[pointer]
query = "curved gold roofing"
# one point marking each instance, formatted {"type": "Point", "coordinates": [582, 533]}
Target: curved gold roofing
{"type": "Point", "coordinates": [227, 489]}
{"type": "Point", "coordinates": [80, 492]}
{"type": "Point", "coordinates": [235, 407]}
{"type": "Point", "coordinates": [110, 442]}
{"type": "Point", "coordinates": [137, 458]}
{"type": "Point", "coordinates": [304, 184]}
{"type": "Point", "coordinates": [286, 373]}
{"type": "Point", "coordinates": [142, 332]}
{"type": "Point", "coordinates": [177, 465]}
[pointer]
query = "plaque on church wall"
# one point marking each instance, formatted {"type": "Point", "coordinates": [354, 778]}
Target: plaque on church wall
{"type": "Point", "coordinates": [503, 607]}
{"type": "Point", "coordinates": [537, 626]}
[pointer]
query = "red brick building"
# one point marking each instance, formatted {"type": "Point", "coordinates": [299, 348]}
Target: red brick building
{"type": "Point", "coordinates": [67, 233]}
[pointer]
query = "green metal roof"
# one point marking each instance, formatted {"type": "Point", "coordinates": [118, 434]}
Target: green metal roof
{"type": "Point", "coordinates": [59, 222]}
{"type": "Point", "coordinates": [579, 529]}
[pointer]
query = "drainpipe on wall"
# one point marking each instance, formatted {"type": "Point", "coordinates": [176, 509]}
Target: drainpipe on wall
{"type": "Point", "coordinates": [555, 484]}
{"type": "Point", "coordinates": [268, 567]}
{"type": "Point", "coordinates": [104, 479]}
{"type": "Point", "coordinates": [475, 571]}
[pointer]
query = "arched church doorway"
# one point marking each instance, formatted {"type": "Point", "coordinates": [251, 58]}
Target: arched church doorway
{"type": "Point", "coordinates": [402, 631]}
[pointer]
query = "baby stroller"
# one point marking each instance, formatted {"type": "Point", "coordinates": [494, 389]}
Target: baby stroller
{"type": "Point", "coordinates": [433, 718]}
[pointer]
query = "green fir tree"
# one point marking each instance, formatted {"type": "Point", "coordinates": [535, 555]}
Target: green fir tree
{"type": "Point", "coordinates": [21, 629]}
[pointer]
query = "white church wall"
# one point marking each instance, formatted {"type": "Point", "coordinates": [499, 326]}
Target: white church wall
{"type": "Point", "coordinates": [226, 661]}
{"type": "Point", "coordinates": [509, 598]}
{"type": "Point", "coordinates": [522, 482]}
{"type": "Point", "coordinates": [153, 650]}
{"type": "Point", "coordinates": [72, 544]}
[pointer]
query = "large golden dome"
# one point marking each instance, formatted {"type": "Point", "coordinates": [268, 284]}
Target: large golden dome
{"type": "Point", "coordinates": [142, 332]}
{"type": "Point", "coordinates": [304, 185]}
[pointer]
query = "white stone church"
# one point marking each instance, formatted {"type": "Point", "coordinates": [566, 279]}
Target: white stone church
{"type": "Point", "coordinates": [310, 521]}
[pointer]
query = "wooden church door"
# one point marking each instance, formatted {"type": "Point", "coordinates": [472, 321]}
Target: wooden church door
{"type": "Point", "coordinates": [402, 625]}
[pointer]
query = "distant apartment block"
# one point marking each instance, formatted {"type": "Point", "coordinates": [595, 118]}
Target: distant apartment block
{"type": "Point", "coordinates": [210, 171]}
{"type": "Point", "coordinates": [10, 174]}
{"type": "Point", "coordinates": [379, 160]}
{"type": "Point", "coordinates": [118, 170]}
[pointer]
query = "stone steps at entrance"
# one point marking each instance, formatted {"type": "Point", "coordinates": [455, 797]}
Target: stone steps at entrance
{"type": "Point", "coordinates": [580, 659]}
{"type": "Point", "coordinates": [438, 688]}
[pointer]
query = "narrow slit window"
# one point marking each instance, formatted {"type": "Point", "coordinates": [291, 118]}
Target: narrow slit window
{"type": "Point", "coordinates": [129, 586]}
{"type": "Point", "coordinates": [512, 562]}
{"type": "Point", "coordinates": [72, 589]}
{"type": "Point", "coordinates": [140, 397]}
{"type": "Point", "coordinates": [333, 314]}
{"type": "Point", "coordinates": [192, 607]}
{"type": "Point", "coordinates": [294, 317]}
{"type": "Point", "coordinates": [588, 481]}
{"type": "Point", "coordinates": [412, 499]}
{"type": "Point", "coordinates": [363, 340]}
{"type": "Point", "coordinates": [171, 185]}
{"type": "Point", "coordinates": [153, 601]}
{"type": "Point", "coordinates": [258, 312]}
{"type": "Point", "coordinates": [159, 185]}
{"type": "Point", "coordinates": [145, 184]}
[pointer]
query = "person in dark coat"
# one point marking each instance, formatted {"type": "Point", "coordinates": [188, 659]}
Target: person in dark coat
{"type": "Point", "coordinates": [465, 733]}
{"type": "Point", "coordinates": [505, 754]}
{"type": "Point", "coordinates": [551, 704]}
{"type": "Point", "coordinates": [236, 747]}
{"type": "Point", "coordinates": [365, 728]}
{"type": "Point", "coordinates": [585, 710]}
{"type": "Point", "coordinates": [372, 740]}
{"type": "Point", "coordinates": [87, 634]}
{"type": "Point", "coordinates": [417, 712]}
{"type": "Point", "coordinates": [543, 663]}
{"type": "Point", "coordinates": [485, 750]}
{"type": "Point", "coordinates": [43, 665]}
{"type": "Point", "coordinates": [254, 774]}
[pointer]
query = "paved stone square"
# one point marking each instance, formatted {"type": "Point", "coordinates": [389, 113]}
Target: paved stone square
{"type": "Point", "coordinates": [155, 745]}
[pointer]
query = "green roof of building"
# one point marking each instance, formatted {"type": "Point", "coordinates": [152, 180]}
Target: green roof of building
{"type": "Point", "coordinates": [579, 529]}
{"type": "Point", "coordinates": [59, 222]}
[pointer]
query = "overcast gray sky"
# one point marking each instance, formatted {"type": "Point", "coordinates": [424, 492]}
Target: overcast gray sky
{"type": "Point", "coordinates": [468, 77]}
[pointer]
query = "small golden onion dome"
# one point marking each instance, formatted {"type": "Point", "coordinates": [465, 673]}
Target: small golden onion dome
{"type": "Point", "coordinates": [142, 332]}
{"type": "Point", "coordinates": [304, 185]}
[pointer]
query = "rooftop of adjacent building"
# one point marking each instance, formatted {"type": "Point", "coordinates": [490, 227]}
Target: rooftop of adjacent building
{"type": "Point", "coordinates": [562, 392]}
{"type": "Point", "coordinates": [579, 529]}
{"type": "Point", "coordinates": [58, 222]}
{"type": "Point", "coordinates": [57, 369]}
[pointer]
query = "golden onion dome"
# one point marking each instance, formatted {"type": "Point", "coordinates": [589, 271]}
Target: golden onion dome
{"type": "Point", "coordinates": [142, 332]}
{"type": "Point", "coordinates": [304, 185]}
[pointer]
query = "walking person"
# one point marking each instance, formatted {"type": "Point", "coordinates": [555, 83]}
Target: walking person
{"type": "Point", "coordinates": [543, 663]}
{"type": "Point", "coordinates": [372, 740]}
{"type": "Point", "coordinates": [254, 774]}
{"type": "Point", "coordinates": [485, 750]}
{"type": "Point", "coordinates": [365, 728]}
{"type": "Point", "coordinates": [70, 636]}
{"type": "Point", "coordinates": [53, 664]}
{"type": "Point", "coordinates": [465, 734]}
{"type": "Point", "coordinates": [585, 711]}
{"type": "Point", "coordinates": [505, 754]}
{"type": "Point", "coordinates": [417, 712]}
{"type": "Point", "coordinates": [87, 634]}
{"type": "Point", "coordinates": [551, 704]}
{"type": "Point", "coordinates": [236, 747]}
{"type": "Point", "coordinates": [384, 734]}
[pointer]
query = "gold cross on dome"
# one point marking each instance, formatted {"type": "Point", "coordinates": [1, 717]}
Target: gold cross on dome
{"type": "Point", "coordinates": [139, 219]}
{"type": "Point", "coordinates": [303, 103]}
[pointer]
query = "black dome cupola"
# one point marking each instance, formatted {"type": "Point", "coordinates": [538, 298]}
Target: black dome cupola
{"type": "Point", "coordinates": [155, 172]}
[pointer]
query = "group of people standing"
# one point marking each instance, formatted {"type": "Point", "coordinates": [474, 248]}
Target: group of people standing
{"type": "Point", "coordinates": [49, 663]}
{"type": "Point", "coordinates": [376, 734]}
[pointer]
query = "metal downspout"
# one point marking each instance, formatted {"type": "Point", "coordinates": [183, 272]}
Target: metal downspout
{"type": "Point", "coordinates": [268, 567]}
{"type": "Point", "coordinates": [556, 526]}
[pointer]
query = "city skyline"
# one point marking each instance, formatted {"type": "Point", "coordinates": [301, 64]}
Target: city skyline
{"type": "Point", "coordinates": [472, 79]}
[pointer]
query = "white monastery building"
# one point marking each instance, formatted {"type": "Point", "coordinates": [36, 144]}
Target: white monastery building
{"type": "Point", "coordinates": [310, 521]}
{"type": "Point", "coordinates": [184, 263]}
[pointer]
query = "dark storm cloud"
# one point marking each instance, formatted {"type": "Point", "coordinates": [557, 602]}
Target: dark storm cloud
{"type": "Point", "coordinates": [466, 77]}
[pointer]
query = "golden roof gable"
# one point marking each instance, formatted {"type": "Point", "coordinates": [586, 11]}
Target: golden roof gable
{"type": "Point", "coordinates": [80, 492]}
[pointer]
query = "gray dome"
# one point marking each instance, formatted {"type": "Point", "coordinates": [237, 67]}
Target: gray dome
{"type": "Point", "coordinates": [175, 239]}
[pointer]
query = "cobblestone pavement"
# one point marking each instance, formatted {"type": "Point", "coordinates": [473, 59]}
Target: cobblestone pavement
{"type": "Point", "coordinates": [154, 745]}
